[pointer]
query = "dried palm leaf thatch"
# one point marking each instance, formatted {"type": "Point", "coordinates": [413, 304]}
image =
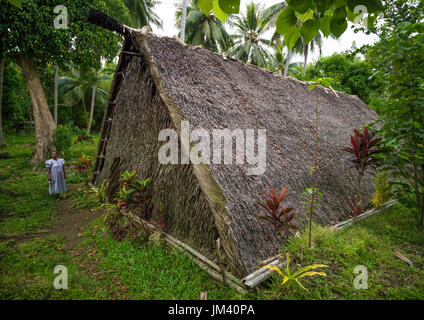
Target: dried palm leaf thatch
{"type": "Point", "coordinates": [164, 82]}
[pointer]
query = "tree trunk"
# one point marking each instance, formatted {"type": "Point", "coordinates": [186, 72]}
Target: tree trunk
{"type": "Point", "coordinates": [183, 20]}
{"type": "Point", "coordinates": [289, 54]}
{"type": "Point", "coordinates": [207, 44]}
{"type": "Point", "coordinates": [56, 86]}
{"type": "Point", "coordinates": [305, 55]}
{"type": "Point", "coordinates": [93, 98]}
{"type": "Point", "coordinates": [316, 167]}
{"type": "Point", "coordinates": [84, 108]}
{"type": "Point", "coordinates": [44, 124]}
{"type": "Point", "coordinates": [2, 141]}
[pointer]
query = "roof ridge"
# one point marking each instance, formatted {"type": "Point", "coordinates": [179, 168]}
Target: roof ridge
{"type": "Point", "coordinates": [226, 57]}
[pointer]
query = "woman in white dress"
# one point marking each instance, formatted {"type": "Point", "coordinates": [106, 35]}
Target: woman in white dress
{"type": "Point", "coordinates": [57, 174]}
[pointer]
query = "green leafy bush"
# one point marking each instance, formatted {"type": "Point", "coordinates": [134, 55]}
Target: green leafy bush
{"type": "Point", "coordinates": [383, 189]}
{"type": "Point", "coordinates": [348, 73]}
{"type": "Point", "coordinates": [400, 60]}
{"type": "Point", "coordinates": [63, 138]}
{"type": "Point", "coordinates": [292, 275]}
{"type": "Point", "coordinates": [84, 167]}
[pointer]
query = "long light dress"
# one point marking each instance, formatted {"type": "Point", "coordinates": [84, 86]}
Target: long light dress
{"type": "Point", "coordinates": [57, 185]}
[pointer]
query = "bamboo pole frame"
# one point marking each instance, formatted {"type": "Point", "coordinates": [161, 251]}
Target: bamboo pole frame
{"type": "Point", "coordinates": [209, 266]}
{"type": "Point", "coordinates": [368, 213]}
{"type": "Point", "coordinates": [263, 274]}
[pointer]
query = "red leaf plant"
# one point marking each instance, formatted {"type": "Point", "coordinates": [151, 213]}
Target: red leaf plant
{"type": "Point", "coordinates": [355, 206]}
{"type": "Point", "coordinates": [279, 215]}
{"type": "Point", "coordinates": [364, 148]}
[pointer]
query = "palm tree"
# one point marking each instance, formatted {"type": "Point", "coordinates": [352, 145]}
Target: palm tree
{"type": "Point", "coordinates": [183, 20]}
{"type": "Point", "coordinates": [302, 48]}
{"type": "Point", "coordinates": [269, 18]}
{"type": "Point", "coordinates": [310, 47]}
{"type": "Point", "coordinates": [200, 29]}
{"type": "Point", "coordinates": [297, 49]}
{"type": "Point", "coordinates": [279, 61]}
{"type": "Point", "coordinates": [142, 12]}
{"type": "Point", "coordinates": [249, 44]}
{"type": "Point", "coordinates": [56, 89]}
{"type": "Point", "coordinates": [79, 86]}
{"type": "Point", "coordinates": [269, 15]}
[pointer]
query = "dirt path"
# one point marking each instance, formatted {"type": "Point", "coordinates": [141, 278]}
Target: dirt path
{"type": "Point", "coordinates": [70, 222]}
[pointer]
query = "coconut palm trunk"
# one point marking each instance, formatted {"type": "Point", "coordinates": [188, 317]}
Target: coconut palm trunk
{"type": "Point", "coordinates": [289, 55]}
{"type": "Point", "coordinates": [44, 123]}
{"type": "Point", "coordinates": [183, 20]}
{"type": "Point", "coordinates": [56, 86]}
{"type": "Point", "coordinates": [305, 56]}
{"type": "Point", "coordinates": [93, 98]}
{"type": "Point", "coordinates": [2, 141]}
{"type": "Point", "coordinates": [84, 109]}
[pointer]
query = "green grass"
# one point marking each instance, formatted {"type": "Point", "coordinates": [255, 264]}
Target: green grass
{"type": "Point", "coordinates": [139, 271]}
{"type": "Point", "coordinates": [116, 270]}
{"type": "Point", "coordinates": [152, 272]}
{"type": "Point", "coordinates": [102, 268]}
{"type": "Point", "coordinates": [24, 204]}
{"type": "Point", "coordinates": [84, 147]}
{"type": "Point", "coordinates": [370, 242]}
{"type": "Point", "coordinates": [27, 271]}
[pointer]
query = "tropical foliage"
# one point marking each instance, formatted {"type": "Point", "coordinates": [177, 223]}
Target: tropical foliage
{"type": "Point", "coordinates": [203, 29]}
{"type": "Point", "coordinates": [250, 45]}
{"type": "Point", "coordinates": [349, 73]}
{"type": "Point", "coordinates": [279, 61]}
{"type": "Point", "coordinates": [308, 18]}
{"type": "Point", "coordinates": [31, 39]}
{"type": "Point", "coordinates": [289, 274]}
{"type": "Point", "coordinates": [63, 138]}
{"type": "Point", "coordinates": [399, 59]}
{"type": "Point", "coordinates": [86, 88]}
{"type": "Point", "coordinates": [278, 214]}
{"type": "Point", "coordinates": [364, 148]}
{"type": "Point", "coordinates": [84, 167]}
{"type": "Point", "coordinates": [142, 12]}
{"type": "Point", "coordinates": [383, 190]}
{"type": "Point", "coordinates": [388, 75]}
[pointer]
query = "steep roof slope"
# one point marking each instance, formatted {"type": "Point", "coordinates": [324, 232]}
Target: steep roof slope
{"type": "Point", "coordinates": [215, 93]}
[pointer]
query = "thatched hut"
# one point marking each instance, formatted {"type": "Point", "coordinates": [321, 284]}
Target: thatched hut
{"type": "Point", "coordinates": [159, 81]}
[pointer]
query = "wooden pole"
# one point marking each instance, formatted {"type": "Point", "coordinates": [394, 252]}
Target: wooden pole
{"type": "Point", "coordinates": [315, 171]}
{"type": "Point", "coordinates": [212, 268]}
{"type": "Point", "coordinates": [183, 20]}
{"type": "Point", "coordinates": [373, 211]}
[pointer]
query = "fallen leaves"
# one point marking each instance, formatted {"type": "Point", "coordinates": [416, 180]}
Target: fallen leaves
{"type": "Point", "coordinates": [403, 258]}
{"type": "Point", "coordinates": [92, 253]}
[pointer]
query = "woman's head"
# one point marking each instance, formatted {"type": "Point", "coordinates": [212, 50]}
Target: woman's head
{"type": "Point", "coordinates": [54, 154]}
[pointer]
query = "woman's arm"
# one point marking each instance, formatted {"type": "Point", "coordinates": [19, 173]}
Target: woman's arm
{"type": "Point", "coordinates": [64, 172]}
{"type": "Point", "coordinates": [50, 173]}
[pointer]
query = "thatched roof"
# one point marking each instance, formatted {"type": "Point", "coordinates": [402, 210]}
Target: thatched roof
{"type": "Point", "coordinates": [168, 82]}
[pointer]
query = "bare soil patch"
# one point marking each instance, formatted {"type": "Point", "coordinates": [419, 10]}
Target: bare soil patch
{"type": "Point", "coordinates": [71, 221]}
